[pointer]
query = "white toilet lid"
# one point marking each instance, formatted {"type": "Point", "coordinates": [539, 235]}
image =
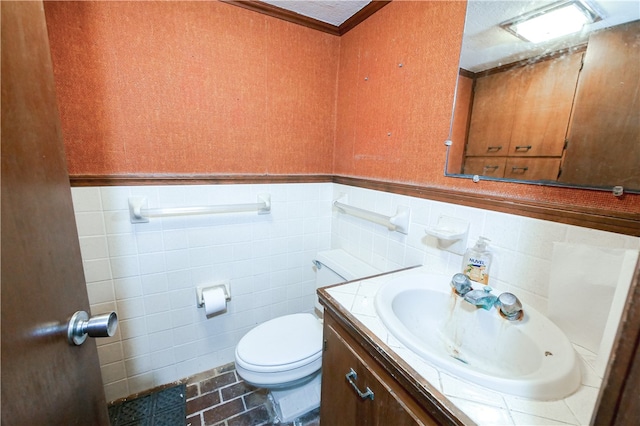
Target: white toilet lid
{"type": "Point", "coordinates": [281, 341]}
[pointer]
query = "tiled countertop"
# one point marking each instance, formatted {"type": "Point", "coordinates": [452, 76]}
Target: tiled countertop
{"type": "Point", "coordinates": [484, 406]}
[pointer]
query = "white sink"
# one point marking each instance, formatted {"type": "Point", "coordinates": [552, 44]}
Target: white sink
{"type": "Point", "coordinates": [530, 358]}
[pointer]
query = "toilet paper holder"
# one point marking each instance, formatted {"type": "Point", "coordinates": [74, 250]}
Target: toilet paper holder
{"type": "Point", "coordinates": [199, 290]}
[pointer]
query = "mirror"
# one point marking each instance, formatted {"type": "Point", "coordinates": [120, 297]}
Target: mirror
{"type": "Point", "coordinates": [565, 112]}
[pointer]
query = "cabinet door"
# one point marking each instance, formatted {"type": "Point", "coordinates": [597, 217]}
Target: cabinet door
{"type": "Point", "coordinates": [604, 138]}
{"type": "Point", "coordinates": [341, 404]}
{"type": "Point", "coordinates": [532, 168]}
{"type": "Point", "coordinates": [492, 114]}
{"type": "Point", "coordinates": [485, 166]}
{"type": "Point", "coordinates": [543, 107]}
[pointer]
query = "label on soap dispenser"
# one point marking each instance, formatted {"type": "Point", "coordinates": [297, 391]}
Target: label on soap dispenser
{"type": "Point", "coordinates": [476, 270]}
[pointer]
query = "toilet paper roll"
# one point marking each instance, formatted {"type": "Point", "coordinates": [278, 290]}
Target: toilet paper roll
{"type": "Point", "coordinates": [215, 300]}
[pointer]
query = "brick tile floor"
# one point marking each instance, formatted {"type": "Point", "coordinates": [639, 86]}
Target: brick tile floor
{"type": "Point", "coordinates": [219, 397]}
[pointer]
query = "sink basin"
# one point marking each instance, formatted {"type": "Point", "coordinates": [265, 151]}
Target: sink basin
{"type": "Point", "coordinates": [531, 358]}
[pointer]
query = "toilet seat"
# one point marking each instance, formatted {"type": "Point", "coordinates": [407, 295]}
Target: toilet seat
{"type": "Point", "coordinates": [281, 350]}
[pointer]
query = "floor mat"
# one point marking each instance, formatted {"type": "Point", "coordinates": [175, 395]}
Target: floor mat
{"type": "Point", "coordinates": [163, 408]}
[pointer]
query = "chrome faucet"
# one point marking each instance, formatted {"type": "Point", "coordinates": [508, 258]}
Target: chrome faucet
{"type": "Point", "coordinates": [510, 306]}
{"type": "Point", "coordinates": [481, 298]}
{"type": "Point", "coordinates": [507, 304]}
{"type": "Point", "coordinates": [461, 284]}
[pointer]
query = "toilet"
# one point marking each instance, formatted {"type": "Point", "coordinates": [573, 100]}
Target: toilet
{"type": "Point", "coordinates": [284, 355]}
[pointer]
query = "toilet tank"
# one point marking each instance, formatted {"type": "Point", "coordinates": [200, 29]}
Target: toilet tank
{"type": "Point", "coordinates": [337, 266]}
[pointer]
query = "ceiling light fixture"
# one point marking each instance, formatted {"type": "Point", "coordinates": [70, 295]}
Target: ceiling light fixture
{"type": "Point", "coordinates": [553, 21]}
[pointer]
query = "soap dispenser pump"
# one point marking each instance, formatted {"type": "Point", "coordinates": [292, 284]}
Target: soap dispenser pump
{"type": "Point", "coordinates": [477, 261]}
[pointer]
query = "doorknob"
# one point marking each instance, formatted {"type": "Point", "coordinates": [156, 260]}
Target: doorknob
{"type": "Point", "coordinates": [80, 326]}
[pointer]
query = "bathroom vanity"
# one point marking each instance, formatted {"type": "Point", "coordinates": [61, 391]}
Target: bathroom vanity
{"type": "Point", "coordinates": [364, 386]}
{"type": "Point", "coordinates": [365, 383]}
{"type": "Point", "coordinates": [371, 378]}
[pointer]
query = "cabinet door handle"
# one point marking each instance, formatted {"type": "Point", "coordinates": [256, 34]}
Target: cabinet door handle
{"type": "Point", "coordinates": [519, 169]}
{"type": "Point", "coordinates": [351, 376]}
{"type": "Point", "coordinates": [491, 168]}
{"type": "Point", "coordinates": [523, 148]}
{"type": "Point", "coordinates": [494, 148]}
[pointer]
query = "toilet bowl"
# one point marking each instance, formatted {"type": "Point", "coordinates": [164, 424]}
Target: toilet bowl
{"type": "Point", "coordinates": [284, 355]}
{"type": "Point", "coordinates": [281, 352]}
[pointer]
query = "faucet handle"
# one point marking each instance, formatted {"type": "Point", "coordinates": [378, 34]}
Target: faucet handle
{"type": "Point", "coordinates": [510, 306]}
{"type": "Point", "coordinates": [461, 284]}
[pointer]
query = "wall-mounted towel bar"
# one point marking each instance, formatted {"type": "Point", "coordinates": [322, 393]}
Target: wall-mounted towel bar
{"type": "Point", "coordinates": [398, 222]}
{"type": "Point", "coordinates": [139, 213]}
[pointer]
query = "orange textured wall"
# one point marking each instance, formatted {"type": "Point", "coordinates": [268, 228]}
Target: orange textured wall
{"type": "Point", "coordinates": [393, 121]}
{"type": "Point", "coordinates": [207, 87]}
{"type": "Point", "coordinates": [191, 87]}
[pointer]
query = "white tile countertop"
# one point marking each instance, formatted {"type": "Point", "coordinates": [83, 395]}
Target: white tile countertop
{"type": "Point", "coordinates": [484, 406]}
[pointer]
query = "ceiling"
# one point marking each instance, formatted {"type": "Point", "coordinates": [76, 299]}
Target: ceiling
{"type": "Point", "coordinates": [485, 44]}
{"type": "Point", "coordinates": [332, 12]}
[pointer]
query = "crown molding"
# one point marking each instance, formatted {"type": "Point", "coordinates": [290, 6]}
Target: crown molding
{"type": "Point", "coordinates": [296, 18]}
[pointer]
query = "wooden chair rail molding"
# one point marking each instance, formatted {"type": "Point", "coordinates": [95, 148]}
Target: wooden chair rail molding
{"type": "Point", "coordinates": [623, 223]}
{"type": "Point", "coordinates": [191, 179]}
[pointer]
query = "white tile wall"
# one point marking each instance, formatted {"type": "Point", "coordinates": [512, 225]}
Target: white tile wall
{"type": "Point", "coordinates": [521, 246]}
{"type": "Point", "coordinates": [148, 272]}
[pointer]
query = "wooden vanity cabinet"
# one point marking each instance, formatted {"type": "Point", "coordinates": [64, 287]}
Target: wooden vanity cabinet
{"type": "Point", "coordinates": [389, 403]}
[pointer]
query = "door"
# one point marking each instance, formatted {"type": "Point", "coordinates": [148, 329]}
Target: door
{"type": "Point", "coordinates": [45, 380]}
{"type": "Point", "coordinates": [604, 137]}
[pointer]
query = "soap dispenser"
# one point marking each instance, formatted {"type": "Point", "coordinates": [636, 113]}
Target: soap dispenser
{"type": "Point", "coordinates": [476, 261]}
